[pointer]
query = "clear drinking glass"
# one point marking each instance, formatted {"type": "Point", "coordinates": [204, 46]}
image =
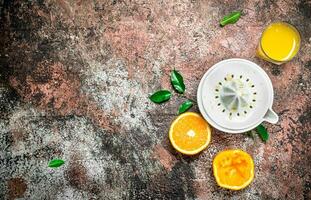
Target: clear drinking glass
{"type": "Point", "coordinates": [279, 43]}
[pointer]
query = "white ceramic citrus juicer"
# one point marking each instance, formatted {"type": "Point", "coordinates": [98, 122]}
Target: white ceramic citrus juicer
{"type": "Point", "coordinates": [235, 96]}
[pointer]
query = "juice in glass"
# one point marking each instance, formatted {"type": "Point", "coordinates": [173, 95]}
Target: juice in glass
{"type": "Point", "coordinates": [279, 43]}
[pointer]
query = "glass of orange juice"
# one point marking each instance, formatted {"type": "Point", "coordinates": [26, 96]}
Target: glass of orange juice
{"type": "Point", "coordinates": [279, 43]}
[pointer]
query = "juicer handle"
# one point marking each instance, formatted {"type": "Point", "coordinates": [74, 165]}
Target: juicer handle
{"type": "Point", "coordinates": [271, 117]}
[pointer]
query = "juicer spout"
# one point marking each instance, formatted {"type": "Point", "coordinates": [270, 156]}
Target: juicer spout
{"type": "Point", "coordinates": [271, 116]}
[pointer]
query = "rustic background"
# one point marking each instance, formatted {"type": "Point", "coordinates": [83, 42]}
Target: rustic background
{"type": "Point", "coordinates": [75, 76]}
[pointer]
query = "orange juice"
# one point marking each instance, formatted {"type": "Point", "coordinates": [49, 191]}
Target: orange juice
{"type": "Point", "coordinates": [279, 43]}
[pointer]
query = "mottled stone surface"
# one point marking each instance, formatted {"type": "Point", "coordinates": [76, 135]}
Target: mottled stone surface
{"type": "Point", "coordinates": [75, 76]}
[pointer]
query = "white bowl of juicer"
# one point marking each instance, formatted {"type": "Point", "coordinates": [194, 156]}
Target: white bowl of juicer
{"type": "Point", "coordinates": [235, 96]}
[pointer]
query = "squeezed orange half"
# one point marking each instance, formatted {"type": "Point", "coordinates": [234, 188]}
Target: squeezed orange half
{"type": "Point", "coordinates": [233, 169]}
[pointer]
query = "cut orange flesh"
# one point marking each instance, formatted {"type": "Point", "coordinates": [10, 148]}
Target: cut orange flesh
{"type": "Point", "coordinates": [233, 169]}
{"type": "Point", "coordinates": [190, 133]}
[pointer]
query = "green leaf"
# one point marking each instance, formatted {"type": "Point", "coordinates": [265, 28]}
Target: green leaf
{"type": "Point", "coordinates": [231, 18]}
{"type": "Point", "coordinates": [262, 132]}
{"type": "Point", "coordinates": [178, 82]}
{"type": "Point", "coordinates": [185, 106]}
{"type": "Point", "coordinates": [56, 163]}
{"type": "Point", "coordinates": [160, 96]}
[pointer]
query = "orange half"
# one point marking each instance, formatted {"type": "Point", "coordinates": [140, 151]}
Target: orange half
{"type": "Point", "coordinates": [190, 133]}
{"type": "Point", "coordinates": [233, 169]}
